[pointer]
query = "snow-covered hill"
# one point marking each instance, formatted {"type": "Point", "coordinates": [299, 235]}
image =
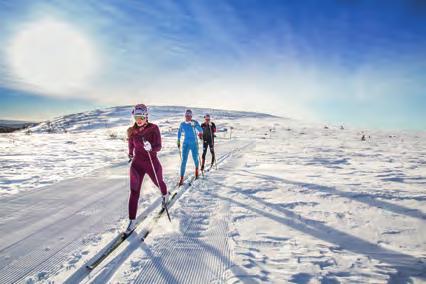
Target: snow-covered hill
{"type": "Point", "coordinates": [73, 145]}
{"type": "Point", "coordinates": [289, 202]}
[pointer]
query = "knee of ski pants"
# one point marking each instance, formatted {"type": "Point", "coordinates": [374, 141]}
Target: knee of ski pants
{"type": "Point", "coordinates": [204, 149]}
{"type": "Point", "coordinates": [185, 150]}
{"type": "Point", "coordinates": [194, 150]}
{"type": "Point", "coordinates": [159, 173]}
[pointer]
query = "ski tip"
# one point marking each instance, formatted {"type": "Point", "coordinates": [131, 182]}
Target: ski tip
{"type": "Point", "coordinates": [89, 267]}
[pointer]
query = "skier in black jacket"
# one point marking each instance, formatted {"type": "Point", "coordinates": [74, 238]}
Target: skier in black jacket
{"type": "Point", "coordinates": [209, 129]}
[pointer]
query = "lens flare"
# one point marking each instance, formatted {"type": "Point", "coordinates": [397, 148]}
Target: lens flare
{"type": "Point", "coordinates": [52, 56]}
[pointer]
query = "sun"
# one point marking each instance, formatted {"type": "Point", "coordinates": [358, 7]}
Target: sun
{"type": "Point", "coordinates": [52, 56]}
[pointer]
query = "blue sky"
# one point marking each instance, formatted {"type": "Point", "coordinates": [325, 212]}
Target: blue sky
{"type": "Point", "coordinates": [360, 63]}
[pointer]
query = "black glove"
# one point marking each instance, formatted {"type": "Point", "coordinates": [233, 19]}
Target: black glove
{"type": "Point", "coordinates": [130, 157]}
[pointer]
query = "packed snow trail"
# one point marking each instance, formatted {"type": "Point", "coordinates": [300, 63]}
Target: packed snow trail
{"type": "Point", "coordinates": [46, 229]}
{"type": "Point", "coordinates": [42, 231]}
{"type": "Point", "coordinates": [109, 265]}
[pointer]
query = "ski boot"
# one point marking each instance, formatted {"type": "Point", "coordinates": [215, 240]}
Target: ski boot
{"type": "Point", "coordinates": [130, 228]}
{"type": "Point", "coordinates": [180, 181]}
{"type": "Point", "coordinates": [165, 199]}
{"type": "Point", "coordinates": [196, 173]}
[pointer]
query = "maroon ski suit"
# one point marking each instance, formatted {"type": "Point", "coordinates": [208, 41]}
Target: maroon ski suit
{"type": "Point", "coordinates": [141, 164]}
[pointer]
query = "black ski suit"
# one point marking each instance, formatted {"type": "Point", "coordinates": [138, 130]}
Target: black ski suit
{"type": "Point", "coordinates": [209, 130]}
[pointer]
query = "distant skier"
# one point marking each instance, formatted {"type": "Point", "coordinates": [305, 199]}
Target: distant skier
{"type": "Point", "coordinates": [189, 127]}
{"type": "Point", "coordinates": [144, 140]}
{"type": "Point", "coordinates": [209, 130]}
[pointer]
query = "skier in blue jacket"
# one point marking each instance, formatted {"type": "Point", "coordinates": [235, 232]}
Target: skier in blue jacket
{"type": "Point", "coordinates": [189, 127]}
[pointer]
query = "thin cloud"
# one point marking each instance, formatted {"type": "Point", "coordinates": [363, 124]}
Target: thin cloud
{"type": "Point", "coordinates": [283, 59]}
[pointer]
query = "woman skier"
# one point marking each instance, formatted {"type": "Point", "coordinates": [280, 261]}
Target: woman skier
{"type": "Point", "coordinates": [144, 142]}
{"type": "Point", "coordinates": [209, 130]}
{"type": "Point", "coordinates": [190, 143]}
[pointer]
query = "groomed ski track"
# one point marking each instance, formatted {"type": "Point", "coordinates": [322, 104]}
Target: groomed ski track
{"type": "Point", "coordinates": [48, 236]}
{"type": "Point", "coordinates": [200, 253]}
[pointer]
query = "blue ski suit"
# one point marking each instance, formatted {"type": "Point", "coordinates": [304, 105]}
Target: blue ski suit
{"type": "Point", "coordinates": [190, 142]}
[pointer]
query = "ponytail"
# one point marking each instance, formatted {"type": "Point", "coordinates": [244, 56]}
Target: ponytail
{"type": "Point", "coordinates": [131, 129]}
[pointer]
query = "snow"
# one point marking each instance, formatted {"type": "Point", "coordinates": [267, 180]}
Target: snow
{"type": "Point", "coordinates": [290, 202]}
{"type": "Point", "coordinates": [74, 145]}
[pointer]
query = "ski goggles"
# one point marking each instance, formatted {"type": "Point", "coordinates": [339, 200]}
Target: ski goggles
{"type": "Point", "coordinates": [143, 117]}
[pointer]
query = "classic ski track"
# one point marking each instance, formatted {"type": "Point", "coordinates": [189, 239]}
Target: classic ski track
{"type": "Point", "coordinates": [145, 216]}
{"type": "Point", "coordinates": [141, 218]}
{"type": "Point", "coordinates": [83, 271]}
{"type": "Point", "coordinates": [101, 275]}
{"type": "Point", "coordinates": [52, 259]}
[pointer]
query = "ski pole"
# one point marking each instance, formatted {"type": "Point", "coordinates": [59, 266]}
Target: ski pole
{"type": "Point", "coordinates": [198, 149]}
{"type": "Point", "coordinates": [199, 157]}
{"type": "Point", "coordinates": [180, 156]}
{"type": "Point", "coordinates": [158, 183]}
{"type": "Point", "coordinates": [127, 183]}
{"type": "Point", "coordinates": [211, 135]}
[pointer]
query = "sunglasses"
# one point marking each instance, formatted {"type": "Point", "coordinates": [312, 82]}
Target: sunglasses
{"type": "Point", "coordinates": [140, 116]}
